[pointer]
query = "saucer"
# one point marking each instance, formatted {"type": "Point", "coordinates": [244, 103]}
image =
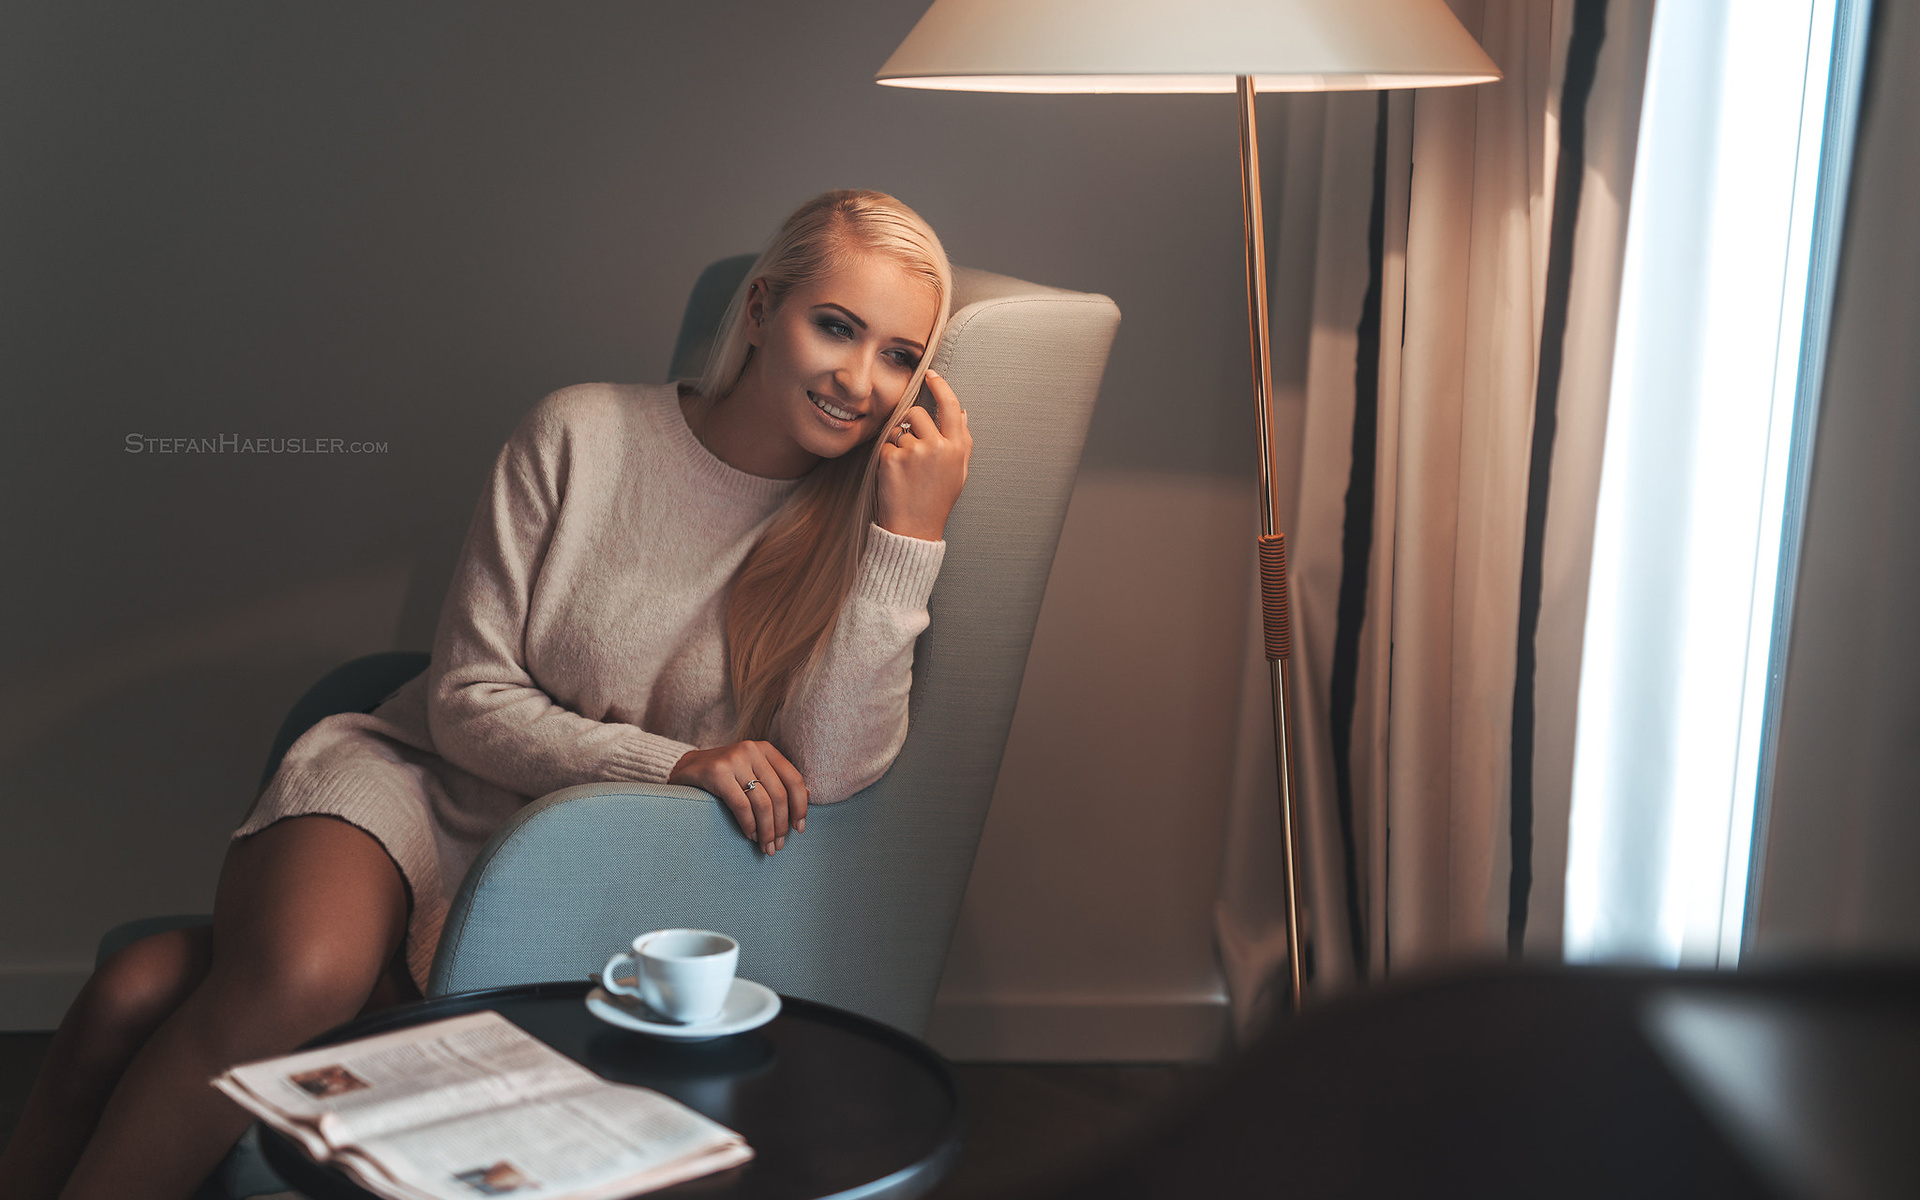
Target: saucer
{"type": "Point", "coordinates": [749, 1006]}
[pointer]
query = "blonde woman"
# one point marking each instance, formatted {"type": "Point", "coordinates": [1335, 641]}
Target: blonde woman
{"type": "Point", "coordinates": [715, 583]}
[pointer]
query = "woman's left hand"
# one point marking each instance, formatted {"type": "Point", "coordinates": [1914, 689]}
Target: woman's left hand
{"type": "Point", "coordinates": [923, 466]}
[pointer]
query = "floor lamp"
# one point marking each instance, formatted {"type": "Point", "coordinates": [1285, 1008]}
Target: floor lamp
{"type": "Point", "coordinates": [1206, 46]}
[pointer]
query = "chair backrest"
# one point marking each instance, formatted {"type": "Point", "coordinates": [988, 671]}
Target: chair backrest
{"type": "Point", "coordinates": [859, 910]}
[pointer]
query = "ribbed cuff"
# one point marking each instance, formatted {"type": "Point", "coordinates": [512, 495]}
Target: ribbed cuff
{"type": "Point", "coordinates": [643, 757]}
{"type": "Point", "coordinates": [898, 571]}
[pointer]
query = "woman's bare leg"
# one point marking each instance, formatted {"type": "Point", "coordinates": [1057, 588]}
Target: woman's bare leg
{"type": "Point", "coordinates": [123, 1002]}
{"type": "Point", "coordinates": [309, 913]}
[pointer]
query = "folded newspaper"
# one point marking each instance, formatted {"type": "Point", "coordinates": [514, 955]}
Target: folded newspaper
{"type": "Point", "coordinates": [474, 1106]}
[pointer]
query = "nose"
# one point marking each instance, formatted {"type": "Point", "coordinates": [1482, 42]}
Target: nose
{"type": "Point", "coordinates": [855, 376]}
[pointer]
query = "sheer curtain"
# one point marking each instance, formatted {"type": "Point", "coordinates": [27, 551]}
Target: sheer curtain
{"type": "Point", "coordinates": [1457, 334]}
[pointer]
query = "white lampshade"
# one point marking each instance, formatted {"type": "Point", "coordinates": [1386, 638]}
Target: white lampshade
{"type": "Point", "coordinates": [1186, 46]}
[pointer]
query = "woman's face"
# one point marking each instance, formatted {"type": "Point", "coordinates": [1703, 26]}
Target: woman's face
{"type": "Point", "coordinates": [832, 360]}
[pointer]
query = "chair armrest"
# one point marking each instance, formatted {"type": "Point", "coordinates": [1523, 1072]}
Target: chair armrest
{"type": "Point", "coordinates": [538, 901]}
{"type": "Point", "coordinates": [834, 916]}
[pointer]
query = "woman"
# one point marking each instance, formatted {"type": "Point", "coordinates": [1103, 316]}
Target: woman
{"type": "Point", "coordinates": [715, 584]}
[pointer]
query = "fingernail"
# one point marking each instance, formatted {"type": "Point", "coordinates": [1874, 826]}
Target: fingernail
{"type": "Point", "coordinates": [800, 826]}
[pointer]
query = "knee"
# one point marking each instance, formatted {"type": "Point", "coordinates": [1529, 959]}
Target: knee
{"type": "Point", "coordinates": [139, 986]}
{"type": "Point", "coordinates": [294, 989]}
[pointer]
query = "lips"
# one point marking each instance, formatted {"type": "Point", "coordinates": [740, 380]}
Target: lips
{"type": "Point", "coordinates": [833, 410]}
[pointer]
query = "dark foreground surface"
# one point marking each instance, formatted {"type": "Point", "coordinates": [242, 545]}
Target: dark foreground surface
{"type": "Point", "coordinates": [1565, 1082]}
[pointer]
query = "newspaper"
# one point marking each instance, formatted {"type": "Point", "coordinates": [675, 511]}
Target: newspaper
{"type": "Point", "coordinates": [474, 1106]}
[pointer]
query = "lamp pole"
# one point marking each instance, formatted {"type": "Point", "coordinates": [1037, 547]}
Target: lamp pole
{"type": "Point", "coordinates": [1274, 610]}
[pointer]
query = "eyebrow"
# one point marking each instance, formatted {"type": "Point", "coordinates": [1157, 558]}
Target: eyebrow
{"type": "Point", "coordinates": [850, 315]}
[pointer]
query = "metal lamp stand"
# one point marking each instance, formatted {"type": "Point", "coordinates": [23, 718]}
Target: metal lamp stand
{"type": "Point", "coordinates": [1275, 611]}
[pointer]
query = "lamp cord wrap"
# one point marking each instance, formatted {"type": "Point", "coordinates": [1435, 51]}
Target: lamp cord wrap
{"type": "Point", "coordinates": [1273, 596]}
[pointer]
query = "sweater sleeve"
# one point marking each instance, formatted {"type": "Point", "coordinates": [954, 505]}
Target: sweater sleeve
{"type": "Point", "coordinates": [485, 712]}
{"type": "Point", "coordinates": [846, 728]}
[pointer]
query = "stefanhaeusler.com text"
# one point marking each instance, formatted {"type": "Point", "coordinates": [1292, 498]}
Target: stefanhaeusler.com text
{"type": "Point", "coordinates": [233, 443]}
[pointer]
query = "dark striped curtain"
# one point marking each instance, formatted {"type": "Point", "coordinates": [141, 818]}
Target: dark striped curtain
{"type": "Point", "coordinates": [1454, 338]}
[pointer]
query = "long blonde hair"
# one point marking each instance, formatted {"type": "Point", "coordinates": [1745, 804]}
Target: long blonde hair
{"type": "Point", "coordinates": [788, 592]}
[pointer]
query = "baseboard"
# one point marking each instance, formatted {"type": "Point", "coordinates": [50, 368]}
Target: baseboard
{"type": "Point", "coordinates": [1056, 1030]}
{"type": "Point", "coordinates": [33, 999]}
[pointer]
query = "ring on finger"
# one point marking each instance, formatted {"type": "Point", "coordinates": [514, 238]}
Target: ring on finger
{"type": "Point", "coordinates": [750, 785]}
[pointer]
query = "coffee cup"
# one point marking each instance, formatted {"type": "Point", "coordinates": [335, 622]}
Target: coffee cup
{"type": "Point", "coordinates": [683, 974]}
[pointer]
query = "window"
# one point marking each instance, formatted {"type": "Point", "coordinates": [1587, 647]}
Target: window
{"type": "Point", "coordinates": [1739, 182]}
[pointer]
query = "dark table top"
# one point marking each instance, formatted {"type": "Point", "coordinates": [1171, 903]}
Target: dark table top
{"type": "Point", "coordinates": [833, 1104]}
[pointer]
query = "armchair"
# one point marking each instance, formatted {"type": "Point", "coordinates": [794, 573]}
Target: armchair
{"type": "Point", "coordinates": [859, 911]}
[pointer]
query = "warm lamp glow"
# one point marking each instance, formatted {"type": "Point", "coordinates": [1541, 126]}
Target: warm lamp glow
{"type": "Point", "coordinates": [1186, 46]}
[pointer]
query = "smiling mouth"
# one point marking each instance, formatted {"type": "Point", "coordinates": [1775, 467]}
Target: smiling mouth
{"type": "Point", "coordinates": [832, 410]}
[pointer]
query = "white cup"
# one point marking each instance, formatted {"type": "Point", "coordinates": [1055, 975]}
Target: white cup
{"type": "Point", "coordinates": [684, 974]}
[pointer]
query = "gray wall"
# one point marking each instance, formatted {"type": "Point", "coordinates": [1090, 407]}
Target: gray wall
{"type": "Point", "coordinates": [405, 222]}
{"type": "Point", "coordinates": [1838, 873]}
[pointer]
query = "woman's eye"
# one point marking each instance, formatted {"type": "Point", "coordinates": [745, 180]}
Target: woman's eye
{"type": "Point", "coordinates": [839, 329]}
{"type": "Point", "coordinates": [904, 359]}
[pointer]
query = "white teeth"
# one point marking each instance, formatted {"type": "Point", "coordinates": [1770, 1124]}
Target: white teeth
{"type": "Point", "coordinates": [830, 410]}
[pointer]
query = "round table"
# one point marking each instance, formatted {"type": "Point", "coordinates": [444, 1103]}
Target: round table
{"type": "Point", "coordinates": [833, 1104]}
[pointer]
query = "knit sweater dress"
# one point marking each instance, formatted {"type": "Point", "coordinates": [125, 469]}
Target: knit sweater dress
{"type": "Point", "coordinates": [583, 640]}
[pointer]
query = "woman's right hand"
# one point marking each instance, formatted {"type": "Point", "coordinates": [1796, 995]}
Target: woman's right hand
{"type": "Point", "coordinates": [765, 812]}
{"type": "Point", "coordinates": [923, 466]}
